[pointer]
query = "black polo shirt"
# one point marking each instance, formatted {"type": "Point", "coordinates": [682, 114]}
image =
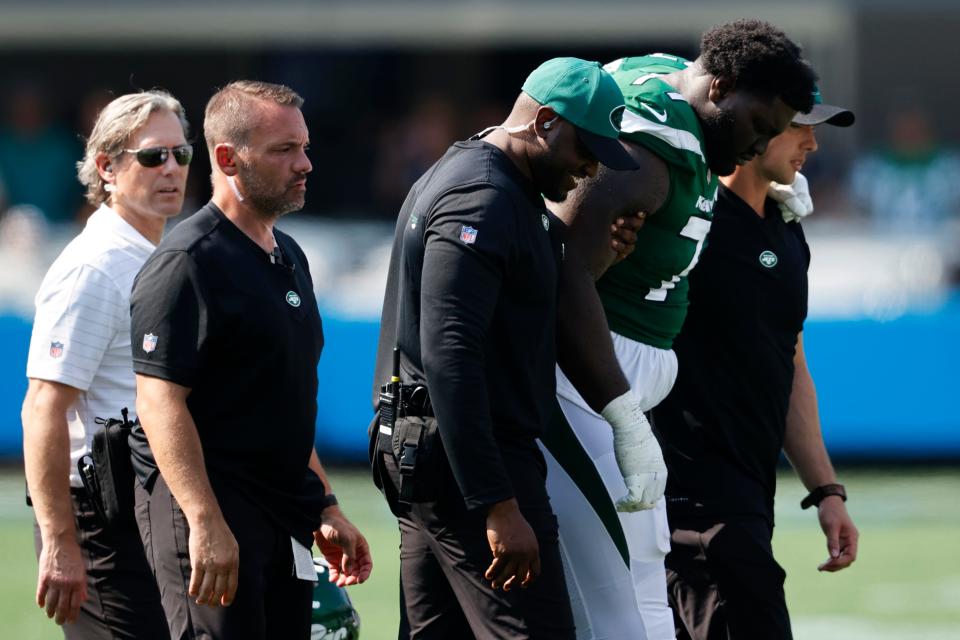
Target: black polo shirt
{"type": "Point", "coordinates": [722, 425]}
{"type": "Point", "coordinates": [212, 313]}
{"type": "Point", "coordinates": [473, 279]}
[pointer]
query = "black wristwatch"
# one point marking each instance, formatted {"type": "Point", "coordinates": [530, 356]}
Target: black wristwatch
{"type": "Point", "coordinates": [815, 497]}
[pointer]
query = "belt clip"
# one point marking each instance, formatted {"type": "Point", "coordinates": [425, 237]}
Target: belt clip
{"type": "Point", "coordinates": [408, 459]}
{"type": "Point", "coordinates": [408, 462]}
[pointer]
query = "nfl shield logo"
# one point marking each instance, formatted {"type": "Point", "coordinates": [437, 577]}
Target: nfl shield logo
{"type": "Point", "coordinates": [56, 349]}
{"type": "Point", "coordinates": [468, 234]}
{"type": "Point", "coordinates": [149, 342]}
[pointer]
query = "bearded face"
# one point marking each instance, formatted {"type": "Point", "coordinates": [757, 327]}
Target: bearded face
{"type": "Point", "coordinates": [272, 165]}
{"type": "Point", "coordinates": [271, 194]}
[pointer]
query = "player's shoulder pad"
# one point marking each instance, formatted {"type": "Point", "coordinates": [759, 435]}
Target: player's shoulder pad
{"type": "Point", "coordinates": [657, 116]}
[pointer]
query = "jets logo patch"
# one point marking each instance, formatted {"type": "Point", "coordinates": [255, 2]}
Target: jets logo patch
{"type": "Point", "coordinates": [616, 117]}
{"type": "Point", "coordinates": [546, 221]}
{"type": "Point", "coordinates": [768, 259]}
{"type": "Point", "coordinates": [293, 298]}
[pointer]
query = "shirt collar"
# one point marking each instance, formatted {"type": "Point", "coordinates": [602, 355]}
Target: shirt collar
{"type": "Point", "coordinates": [738, 206]}
{"type": "Point", "coordinates": [107, 218]}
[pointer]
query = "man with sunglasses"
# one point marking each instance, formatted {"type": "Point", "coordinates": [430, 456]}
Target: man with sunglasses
{"type": "Point", "coordinates": [155, 156]}
{"type": "Point", "coordinates": [94, 579]}
{"type": "Point", "coordinates": [227, 337]}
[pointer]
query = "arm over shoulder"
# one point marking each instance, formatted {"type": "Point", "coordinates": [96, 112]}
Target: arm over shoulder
{"type": "Point", "coordinates": [599, 201]}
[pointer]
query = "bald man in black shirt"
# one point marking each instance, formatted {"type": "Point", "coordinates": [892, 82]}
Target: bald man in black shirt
{"type": "Point", "coordinates": [471, 305]}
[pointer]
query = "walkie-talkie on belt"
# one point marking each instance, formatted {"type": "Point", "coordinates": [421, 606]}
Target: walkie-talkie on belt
{"type": "Point", "coordinates": [390, 397]}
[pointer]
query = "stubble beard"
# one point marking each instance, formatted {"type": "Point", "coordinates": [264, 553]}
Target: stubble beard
{"type": "Point", "coordinates": [266, 198]}
{"type": "Point", "coordinates": [549, 180]}
{"type": "Point", "coordinates": [718, 134]}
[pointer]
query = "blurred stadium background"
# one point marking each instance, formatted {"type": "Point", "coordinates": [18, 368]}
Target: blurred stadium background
{"type": "Point", "coordinates": [388, 85]}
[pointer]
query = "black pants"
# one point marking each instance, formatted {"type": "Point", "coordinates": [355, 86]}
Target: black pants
{"type": "Point", "coordinates": [270, 602]}
{"type": "Point", "coordinates": [123, 599]}
{"type": "Point", "coordinates": [723, 582]}
{"type": "Point", "coordinates": [444, 553]}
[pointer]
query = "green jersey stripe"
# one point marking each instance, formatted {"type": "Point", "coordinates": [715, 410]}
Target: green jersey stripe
{"type": "Point", "coordinates": [563, 444]}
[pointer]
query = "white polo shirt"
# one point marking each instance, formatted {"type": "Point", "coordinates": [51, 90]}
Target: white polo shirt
{"type": "Point", "coordinates": [81, 333]}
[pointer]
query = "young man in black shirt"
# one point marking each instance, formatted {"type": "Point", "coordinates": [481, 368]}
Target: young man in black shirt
{"type": "Point", "coordinates": [742, 394]}
{"type": "Point", "coordinates": [226, 339]}
{"type": "Point", "coordinates": [471, 304]}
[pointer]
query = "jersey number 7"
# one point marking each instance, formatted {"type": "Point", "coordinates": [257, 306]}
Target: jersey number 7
{"type": "Point", "coordinates": [696, 229]}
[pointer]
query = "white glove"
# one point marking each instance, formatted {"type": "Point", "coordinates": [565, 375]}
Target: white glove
{"type": "Point", "coordinates": [637, 452]}
{"type": "Point", "coordinates": [794, 199]}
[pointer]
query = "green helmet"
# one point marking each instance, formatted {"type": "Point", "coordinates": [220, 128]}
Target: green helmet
{"type": "Point", "coordinates": [334, 617]}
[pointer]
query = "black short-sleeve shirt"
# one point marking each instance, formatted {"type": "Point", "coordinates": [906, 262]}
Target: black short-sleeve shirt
{"type": "Point", "coordinates": [471, 301]}
{"type": "Point", "coordinates": [212, 312]}
{"type": "Point", "coordinates": [723, 423]}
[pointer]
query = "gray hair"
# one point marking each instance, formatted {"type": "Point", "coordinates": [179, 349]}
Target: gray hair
{"type": "Point", "coordinates": [231, 112]}
{"type": "Point", "coordinates": [119, 120]}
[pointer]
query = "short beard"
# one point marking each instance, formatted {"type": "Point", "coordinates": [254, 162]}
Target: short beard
{"type": "Point", "coordinates": [265, 197]}
{"type": "Point", "coordinates": [547, 179]}
{"type": "Point", "coordinates": [718, 136]}
{"type": "Point", "coordinates": [555, 196]}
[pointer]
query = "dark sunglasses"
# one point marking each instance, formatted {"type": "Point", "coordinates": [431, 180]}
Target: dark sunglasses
{"type": "Point", "coordinates": [157, 156]}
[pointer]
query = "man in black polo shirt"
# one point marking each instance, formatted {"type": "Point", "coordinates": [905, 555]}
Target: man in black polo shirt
{"type": "Point", "coordinates": [471, 304]}
{"type": "Point", "coordinates": [742, 394]}
{"type": "Point", "coordinates": [226, 340]}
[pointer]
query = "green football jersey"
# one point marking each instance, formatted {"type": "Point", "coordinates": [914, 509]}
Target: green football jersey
{"type": "Point", "coordinates": [645, 296]}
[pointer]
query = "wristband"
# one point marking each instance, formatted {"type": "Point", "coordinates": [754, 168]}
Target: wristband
{"type": "Point", "coordinates": [329, 500]}
{"type": "Point", "coordinates": [815, 497]}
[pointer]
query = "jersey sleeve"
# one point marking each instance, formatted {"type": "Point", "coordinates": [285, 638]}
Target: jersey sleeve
{"type": "Point", "coordinates": [467, 246]}
{"type": "Point", "coordinates": [657, 116]}
{"type": "Point", "coordinates": [78, 316]}
{"type": "Point", "coordinates": [170, 319]}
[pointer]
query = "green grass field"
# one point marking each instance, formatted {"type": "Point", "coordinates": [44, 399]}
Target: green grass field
{"type": "Point", "coordinates": [905, 586]}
